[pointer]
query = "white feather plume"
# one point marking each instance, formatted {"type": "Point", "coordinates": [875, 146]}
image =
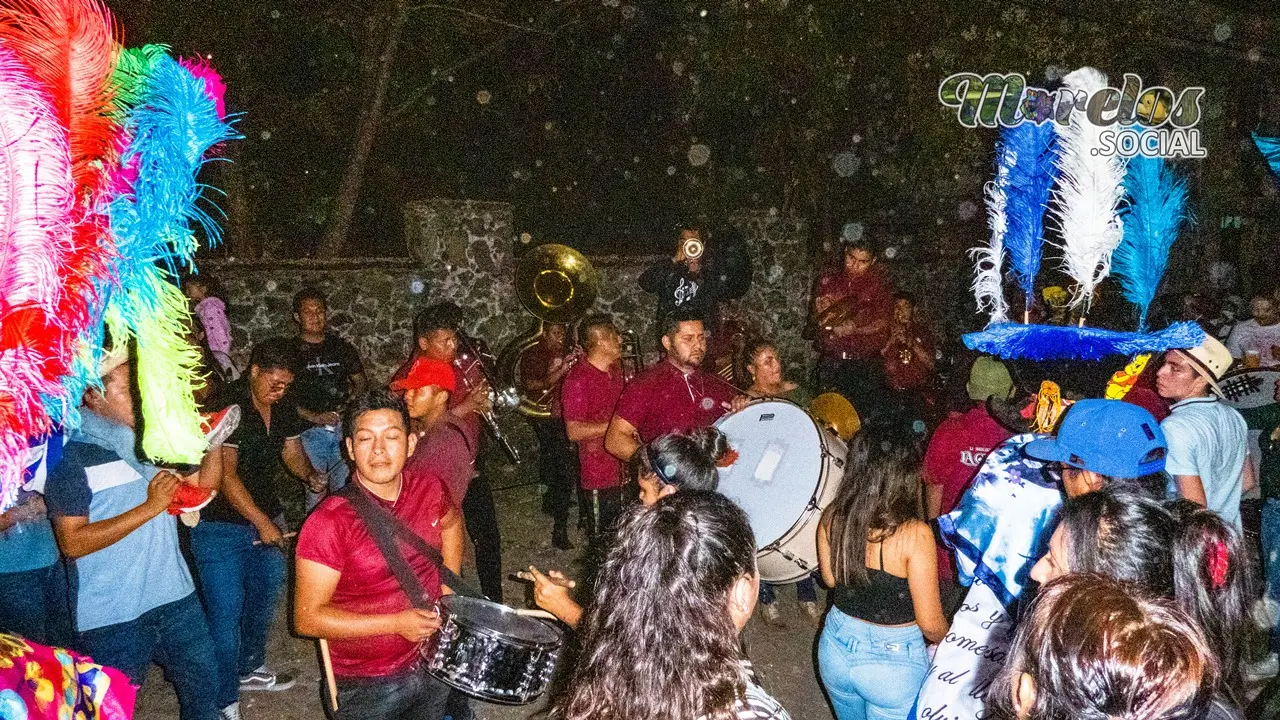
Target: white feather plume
{"type": "Point", "coordinates": [988, 275]}
{"type": "Point", "coordinates": [1089, 192]}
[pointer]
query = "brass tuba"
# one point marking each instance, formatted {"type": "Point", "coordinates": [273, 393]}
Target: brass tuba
{"type": "Point", "coordinates": [558, 285]}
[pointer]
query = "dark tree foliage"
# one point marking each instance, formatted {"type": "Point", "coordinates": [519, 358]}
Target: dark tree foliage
{"type": "Point", "coordinates": [609, 122]}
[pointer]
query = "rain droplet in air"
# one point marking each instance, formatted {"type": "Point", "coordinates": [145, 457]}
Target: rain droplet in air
{"type": "Point", "coordinates": [699, 154]}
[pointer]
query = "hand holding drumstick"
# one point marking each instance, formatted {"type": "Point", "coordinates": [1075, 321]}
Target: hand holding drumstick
{"type": "Point", "coordinates": [551, 593]}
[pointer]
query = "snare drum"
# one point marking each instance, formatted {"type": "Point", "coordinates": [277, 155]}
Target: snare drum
{"type": "Point", "coordinates": [489, 652]}
{"type": "Point", "coordinates": [788, 469]}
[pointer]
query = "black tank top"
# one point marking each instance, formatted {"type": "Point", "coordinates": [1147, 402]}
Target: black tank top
{"type": "Point", "coordinates": [884, 600]}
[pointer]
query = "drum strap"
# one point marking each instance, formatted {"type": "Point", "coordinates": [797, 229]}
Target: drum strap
{"type": "Point", "coordinates": [384, 528]}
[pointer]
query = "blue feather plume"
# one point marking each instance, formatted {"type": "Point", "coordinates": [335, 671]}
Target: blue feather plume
{"type": "Point", "coordinates": [1066, 342]}
{"type": "Point", "coordinates": [1270, 147]}
{"type": "Point", "coordinates": [1157, 197]}
{"type": "Point", "coordinates": [1030, 153]}
{"type": "Point", "coordinates": [171, 129]}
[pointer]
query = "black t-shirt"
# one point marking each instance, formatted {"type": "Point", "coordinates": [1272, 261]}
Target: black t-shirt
{"type": "Point", "coordinates": [258, 453]}
{"type": "Point", "coordinates": [322, 379]}
{"type": "Point", "coordinates": [725, 275]}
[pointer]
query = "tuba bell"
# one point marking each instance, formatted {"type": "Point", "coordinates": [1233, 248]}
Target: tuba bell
{"type": "Point", "coordinates": [558, 285]}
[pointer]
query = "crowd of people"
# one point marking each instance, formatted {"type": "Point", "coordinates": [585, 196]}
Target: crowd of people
{"type": "Point", "coordinates": [1093, 550]}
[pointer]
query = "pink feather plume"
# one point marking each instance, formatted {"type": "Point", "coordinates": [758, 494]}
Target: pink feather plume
{"type": "Point", "coordinates": [213, 85]}
{"type": "Point", "coordinates": [37, 197]}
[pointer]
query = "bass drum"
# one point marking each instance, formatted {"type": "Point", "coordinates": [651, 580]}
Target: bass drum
{"type": "Point", "coordinates": [788, 470]}
{"type": "Point", "coordinates": [490, 652]}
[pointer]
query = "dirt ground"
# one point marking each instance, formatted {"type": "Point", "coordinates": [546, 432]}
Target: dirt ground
{"type": "Point", "coordinates": [784, 658]}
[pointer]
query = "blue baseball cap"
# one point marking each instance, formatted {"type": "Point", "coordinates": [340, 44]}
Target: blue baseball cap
{"type": "Point", "coordinates": [1109, 437]}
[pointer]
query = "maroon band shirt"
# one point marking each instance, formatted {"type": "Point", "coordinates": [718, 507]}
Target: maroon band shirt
{"type": "Point", "coordinates": [590, 395]}
{"type": "Point", "coordinates": [874, 295]}
{"type": "Point", "coordinates": [335, 537]}
{"type": "Point", "coordinates": [448, 451]}
{"type": "Point", "coordinates": [662, 399]}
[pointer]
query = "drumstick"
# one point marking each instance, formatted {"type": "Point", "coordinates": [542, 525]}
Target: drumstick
{"type": "Point", "coordinates": [533, 612]}
{"type": "Point", "coordinates": [329, 680]}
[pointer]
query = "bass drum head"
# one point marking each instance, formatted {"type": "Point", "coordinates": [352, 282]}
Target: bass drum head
{"type": "Point", "coordinates": [778, 467]}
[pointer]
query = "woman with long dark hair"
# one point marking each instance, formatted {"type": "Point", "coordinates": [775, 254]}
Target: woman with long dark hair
{"type": "Point", "coordinates": [1093, 648]}
{"type": "Point", "coordinates": [881, 562]}
{"type": "Point", "coordinates": [1181, 552]}
{"type": "Point", "coordinates": [660, 639]}
{"type": "Point", "coordinates": [676, 461]}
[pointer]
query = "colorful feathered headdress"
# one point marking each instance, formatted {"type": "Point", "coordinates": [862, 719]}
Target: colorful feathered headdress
{"type": "Point", "coordinates": [1110, 216]}
{"type": "Point", "coordinates": [100, 148]}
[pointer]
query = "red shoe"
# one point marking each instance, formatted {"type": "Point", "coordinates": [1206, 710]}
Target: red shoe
{"type": "Point", "coordinates": [189, 498]}
{"type": "Point", "coordinates": [218, 426]}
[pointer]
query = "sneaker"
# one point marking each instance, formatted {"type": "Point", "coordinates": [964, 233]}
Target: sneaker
{"type": "Point", "coordinates": [218, 426]}
{"type": "Point", "coordinates": [772, 616]}
{"type": "Point", "coordinates": [264, 679]}
{"type": "Point", "coordinates": [230, 712]}
{"type": "Point", "coordinates": [1267, 667]}
{"type": "Point", "coordinates": [811, 609]}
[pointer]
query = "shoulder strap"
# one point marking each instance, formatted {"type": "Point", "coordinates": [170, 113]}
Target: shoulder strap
{"type": "Point", "coordinates": [384, 528]}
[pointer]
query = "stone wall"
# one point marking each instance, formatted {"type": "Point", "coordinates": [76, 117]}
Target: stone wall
{"type": "Point", "coordinates": [464, 252]}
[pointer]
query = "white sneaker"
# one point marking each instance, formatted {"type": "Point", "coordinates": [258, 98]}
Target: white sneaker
{"type": "Point", "coordinates": [811, 609]}
{"type": "Point", "coordinates": [230, 712]}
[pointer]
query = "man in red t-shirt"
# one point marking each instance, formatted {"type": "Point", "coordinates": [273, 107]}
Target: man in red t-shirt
{"type": "Point", "coordinates": [589, 394]}
{"type": "Point", "coordinates": [961, 443]}
{"type": "Point", "coordinates": [346, 591]}
{"type": "Point", "coordinates": [852, 306]}
{"type": "Point", "coordinates": [673, 396]}
{"type": "Point", "coordinates": [438, 337]}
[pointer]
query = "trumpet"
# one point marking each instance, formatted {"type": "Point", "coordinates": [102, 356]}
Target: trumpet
{"type": "Point", "coordinates": [471, 361]}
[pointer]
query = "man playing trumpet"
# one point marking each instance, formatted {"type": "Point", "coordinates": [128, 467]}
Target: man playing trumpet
{"type": "Point", "coordinates": [852, 306]}
{"type": "Point", "coordinates": [698, 277]}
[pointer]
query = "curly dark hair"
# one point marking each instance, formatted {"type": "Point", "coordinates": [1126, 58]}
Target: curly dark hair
{"type": "Point", "coordinates": [880, 493]}
{"type": "Point", "coordinates": [1096, 649]}
{"type": "Point", "coordinates": [658, 641]}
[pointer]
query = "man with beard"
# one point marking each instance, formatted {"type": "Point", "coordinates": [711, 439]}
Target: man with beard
{"type": "Point", "coordinates": [675, 395]}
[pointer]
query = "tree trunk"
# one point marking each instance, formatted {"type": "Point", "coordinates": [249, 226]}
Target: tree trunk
{"type": "Point", "coordinates": [344, 206]}
{"type": "Point", "coordinates": [238, 235]}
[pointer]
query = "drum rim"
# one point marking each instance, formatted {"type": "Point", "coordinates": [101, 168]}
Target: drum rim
{"type": "Point", "coordinates": [553, 645]}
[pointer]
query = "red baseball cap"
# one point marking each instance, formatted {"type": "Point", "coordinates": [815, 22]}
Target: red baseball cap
{"type": "Point", "coordinates": [425, 372]}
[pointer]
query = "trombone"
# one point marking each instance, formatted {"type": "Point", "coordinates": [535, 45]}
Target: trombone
{"type": "Point", "coordinates": [471, 358]}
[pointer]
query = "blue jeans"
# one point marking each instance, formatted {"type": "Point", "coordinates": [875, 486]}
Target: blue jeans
{"type": "Point", "coordinates": [1271, 557]}
{"type": "Point", "coordinates": [176, 637]}
{"type": "Point", "coordinates": [806, 591]}
{"type": "Point", "coordinates": [324, 448]}
{"type": "Point", "coordinates": [240, 583]}
{"type": "Point", "coordinates": [871, 671]}
{"type": "Point", "coordinates": [409, 695]}
{"type": "Point", "coordinates": [35, 605]}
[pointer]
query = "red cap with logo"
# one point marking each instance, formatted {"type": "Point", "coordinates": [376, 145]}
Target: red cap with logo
{"type": "Point", "coordinates": [426, 372]}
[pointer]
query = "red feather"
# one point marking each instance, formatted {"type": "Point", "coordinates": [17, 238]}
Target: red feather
{"type": "Point", "coordinates": [71, 46]}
